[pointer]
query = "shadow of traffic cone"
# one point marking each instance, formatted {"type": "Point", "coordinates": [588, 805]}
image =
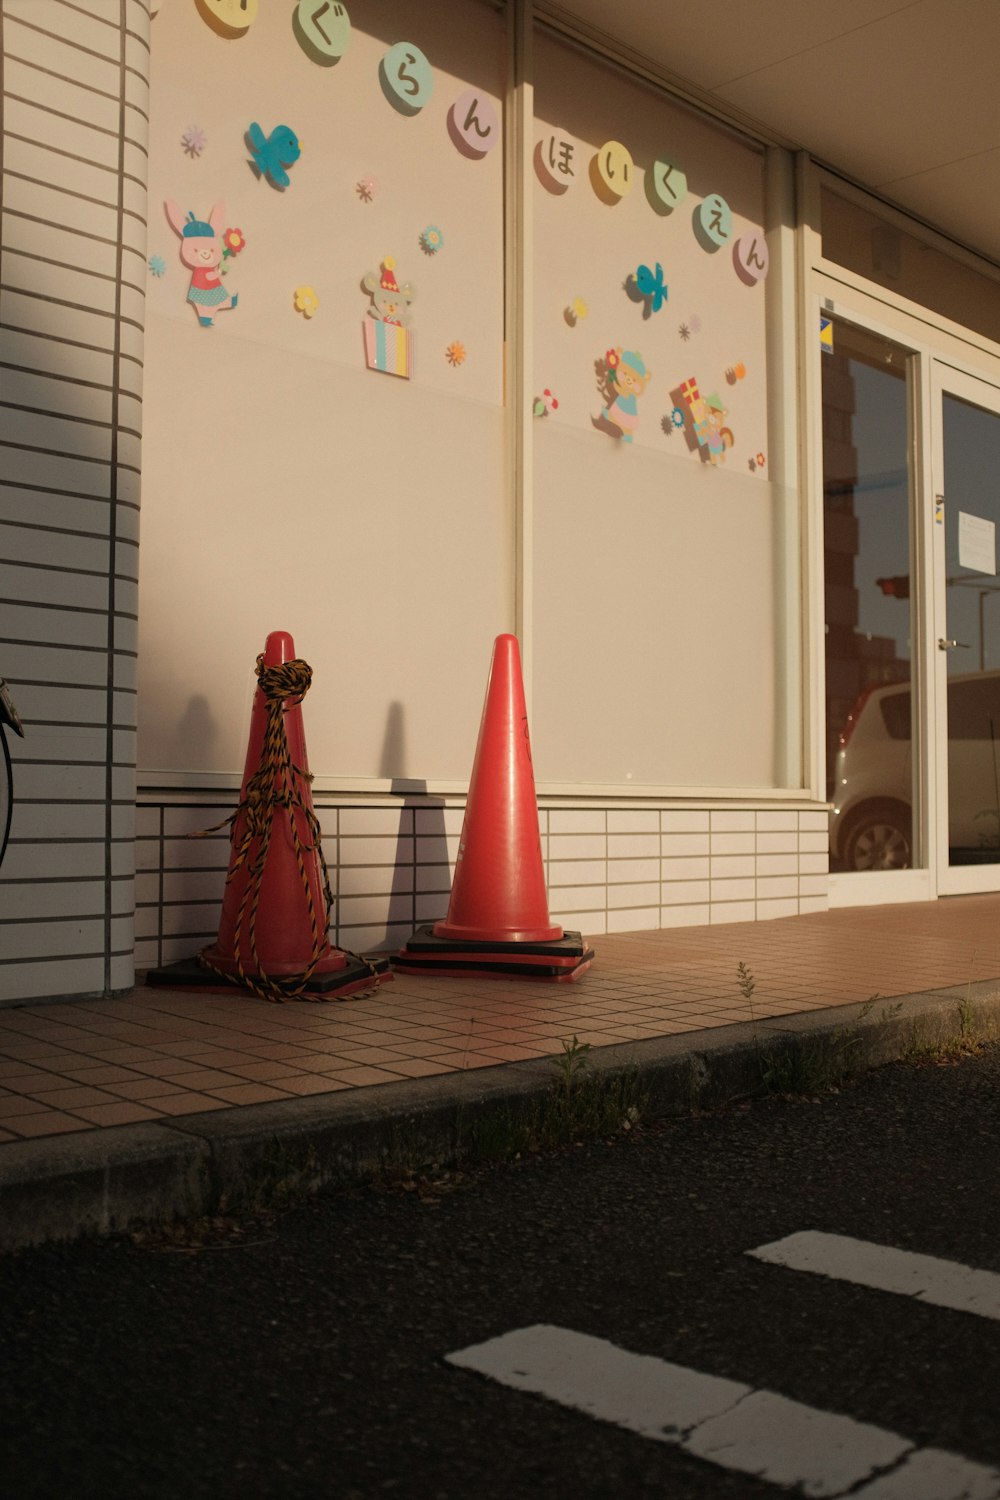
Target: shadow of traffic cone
{"type": "Point", "coordinates": [498, 916]}
{"type": "Point", "coordinates": [275, 910]}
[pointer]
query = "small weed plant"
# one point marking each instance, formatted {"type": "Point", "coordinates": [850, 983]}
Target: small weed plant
{"type": "Point", "coordinates": [580, 1104]}
{"type": "Point", "coordinates": [572, 1065]}
{"type": "Point", "coordinates": [747, 984]}
{"type": "Point", "coordinates": [804, 1065]}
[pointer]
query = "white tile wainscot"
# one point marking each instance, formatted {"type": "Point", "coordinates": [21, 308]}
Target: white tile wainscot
{"type": "Point", "coordinates": [391, 860]}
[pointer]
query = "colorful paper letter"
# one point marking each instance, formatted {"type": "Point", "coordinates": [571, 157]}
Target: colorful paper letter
{"type": "Point", "coordinates": [406, 77]}
{"type": "Point", "coordinates": [713, 222]}
{"type": "Point", "coordinates": [323, 29]}
{"type": "Point", "coordinates": [473, 124]}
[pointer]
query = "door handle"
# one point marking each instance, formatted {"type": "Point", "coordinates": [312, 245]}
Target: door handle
{"type": "Point", "coordinates": [944, 645]}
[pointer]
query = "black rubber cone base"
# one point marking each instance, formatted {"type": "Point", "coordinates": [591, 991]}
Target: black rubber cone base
{"type": "Point", "coordinates": [562, 958]}
{"type": "Point", "coordinates": [188, 973]}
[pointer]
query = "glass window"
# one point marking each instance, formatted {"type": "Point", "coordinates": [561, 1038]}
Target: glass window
{"type": "Point", "coordinates": [971, 516]}
{"type": "Point", "coordinates": [868, 566]}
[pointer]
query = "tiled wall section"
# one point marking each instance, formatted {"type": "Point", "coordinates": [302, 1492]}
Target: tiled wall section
{"type": "Point", "coordinates": [73, 269]}
{"type": "Point", "coordinates": [608, 870]}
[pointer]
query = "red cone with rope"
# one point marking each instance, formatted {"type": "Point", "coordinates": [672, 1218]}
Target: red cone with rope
{"type": "Point", "coordinates": [275, 910]}
{"type": "Point", "coordinates": [498, 917]}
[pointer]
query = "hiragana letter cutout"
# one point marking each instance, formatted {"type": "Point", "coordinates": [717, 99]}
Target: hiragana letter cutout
{"type": "Point", "coordinates": [555, 162]}
{"type": "Point", "coordinates": [323, 30]}
{"type": "Point", "coordinates": [473, 124]}
{"type": "Point", "coordinates": [666, 186]}
{"type": "Point", "coordinates": [611, 172]}
{"type": "Point", "coordinates": [713, 223]}
{"type": "Point", "coordinates": [406, 78]}
{"type": "Point", "coordinates": [750, 257]}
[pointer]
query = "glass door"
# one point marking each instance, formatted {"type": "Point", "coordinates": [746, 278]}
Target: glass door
{"type": "Point", "coordinates": [869, 562]}
{"type": "Point", "coordinates": [967, 524]}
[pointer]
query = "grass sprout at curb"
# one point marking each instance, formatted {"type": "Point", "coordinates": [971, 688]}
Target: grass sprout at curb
{"type": "Point", "coordinates": [805, 1066]}
{"type": "Point", "coordinates": [580, 1104]}
{"type": "Point", "coordinates": [967, 1041]}
{"type": "Point", "coordinates": [573, 1064]}
{"type": "Point", "coordinates": [974, 1031]}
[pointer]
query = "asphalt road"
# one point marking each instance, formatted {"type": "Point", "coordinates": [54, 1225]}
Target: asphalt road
{"type": "Point", "coordinates": [303, 1354]}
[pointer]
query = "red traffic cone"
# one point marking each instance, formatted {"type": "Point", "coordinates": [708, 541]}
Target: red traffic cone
{"type": "Point", "coordinates": [275, 910]}
{"type": "Point", "coordinates": [498, 916]}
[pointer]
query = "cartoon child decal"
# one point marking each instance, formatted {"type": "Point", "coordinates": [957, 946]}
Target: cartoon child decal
{"type": "Point", "coordinates": [203, 249]}
{"type": "Point", "coordinates": [704, 421]}
{"type": "Point", "coordinates": [627, 378]}
{"type": "Point", "coordinates": [717, 438]}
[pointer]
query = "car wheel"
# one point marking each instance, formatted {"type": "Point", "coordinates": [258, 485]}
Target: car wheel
{"type": "Point", "coordinates": [880, 841]}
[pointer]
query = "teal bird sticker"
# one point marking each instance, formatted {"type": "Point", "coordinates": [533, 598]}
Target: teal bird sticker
{"type": "Point", "coordinates": [273, 153]}
{"type": "Point", "coordinates": [652, 286]}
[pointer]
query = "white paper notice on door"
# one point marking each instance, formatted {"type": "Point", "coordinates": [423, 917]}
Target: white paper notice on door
{"type": "Point", "coordinates": [977, 543]}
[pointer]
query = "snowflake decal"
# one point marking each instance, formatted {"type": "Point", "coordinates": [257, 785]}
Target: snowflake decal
{"type": "Point", "coordinates": [752, 465]}
{"type": "Point", "coordinates": [684, 332]}
{"type": "Point", "coordinates": [157, 265]}
{"type": "Point", "coordinates": [194, 141]}
{"type": "Point", "coordinates": [365, 189]}
{"type": "Point", "coordinates": [455, 354]}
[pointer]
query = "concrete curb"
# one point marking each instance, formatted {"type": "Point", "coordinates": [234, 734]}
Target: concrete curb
{"type": "Point", "coordinates": [107, 1181]}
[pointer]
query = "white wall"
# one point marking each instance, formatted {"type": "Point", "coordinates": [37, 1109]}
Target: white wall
{"type": "Point", "coordinates": [655, 580]}
{"type": "Point", "coordinates": [287, 486]}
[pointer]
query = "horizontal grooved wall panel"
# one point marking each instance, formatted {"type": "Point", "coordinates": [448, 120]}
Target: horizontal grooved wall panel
{"type": "Point", "coordinates": [72, 277]}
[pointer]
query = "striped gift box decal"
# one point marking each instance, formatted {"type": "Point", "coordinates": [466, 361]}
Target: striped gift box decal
{"type": "Point", "coordinates": [389, 347]}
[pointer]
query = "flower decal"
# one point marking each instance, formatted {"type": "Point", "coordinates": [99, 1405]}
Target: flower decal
{"type": "Point", "coordinates": [233, 241]}
{"type": "Point", "coordinates": [677, 416]}
{"type": "Point", "coordinates": [612, 358]}
{"type": "Point", "coordinates": [306, 301]}
{"type": "Point", "coordinates": [194, 141]}
{"type": "Point", "coordinates": [431, 240]}
{"type": "Point", "coordinates": [455, 354]}
{"type": "Point", "coordinates": [544, 403]}
{"type": "Point", "coordinates": [157, 265]}
{"type": "Point", "coordinates": [760, 460]}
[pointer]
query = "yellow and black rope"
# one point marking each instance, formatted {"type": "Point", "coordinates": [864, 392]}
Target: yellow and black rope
{"type": "Point", "coordinates": [275, 785]}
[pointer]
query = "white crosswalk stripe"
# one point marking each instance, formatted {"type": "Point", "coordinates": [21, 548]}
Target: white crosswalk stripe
{"type": "Point", "coordinates": [821, 1454]}
{"type": "Point", "coordinates": [945, 1283]}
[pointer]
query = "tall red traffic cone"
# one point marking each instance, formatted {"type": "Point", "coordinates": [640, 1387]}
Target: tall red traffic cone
{"type": "Point", "coordinates": [498, 916]}
{"type": "Point", "coordinates": [275, 910]}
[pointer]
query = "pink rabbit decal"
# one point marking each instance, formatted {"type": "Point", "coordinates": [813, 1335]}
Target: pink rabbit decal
{"type": "Point", "coordinates": [201, 251]}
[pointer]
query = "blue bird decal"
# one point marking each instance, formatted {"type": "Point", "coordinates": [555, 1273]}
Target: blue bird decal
{"type": "Point", "coordinates": [651, 285]}
{"type": "Point", "coordinates": [273, 153]}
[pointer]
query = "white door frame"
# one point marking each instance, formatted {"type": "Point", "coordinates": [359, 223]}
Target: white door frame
{"type": "Point", "coordinates": [940, 362]}
{"type": "Point", "coordinates": [853, 306]}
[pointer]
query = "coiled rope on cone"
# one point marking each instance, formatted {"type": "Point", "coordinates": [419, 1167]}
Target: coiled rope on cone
{"type": "Point", "coordinates": [273, 786]}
